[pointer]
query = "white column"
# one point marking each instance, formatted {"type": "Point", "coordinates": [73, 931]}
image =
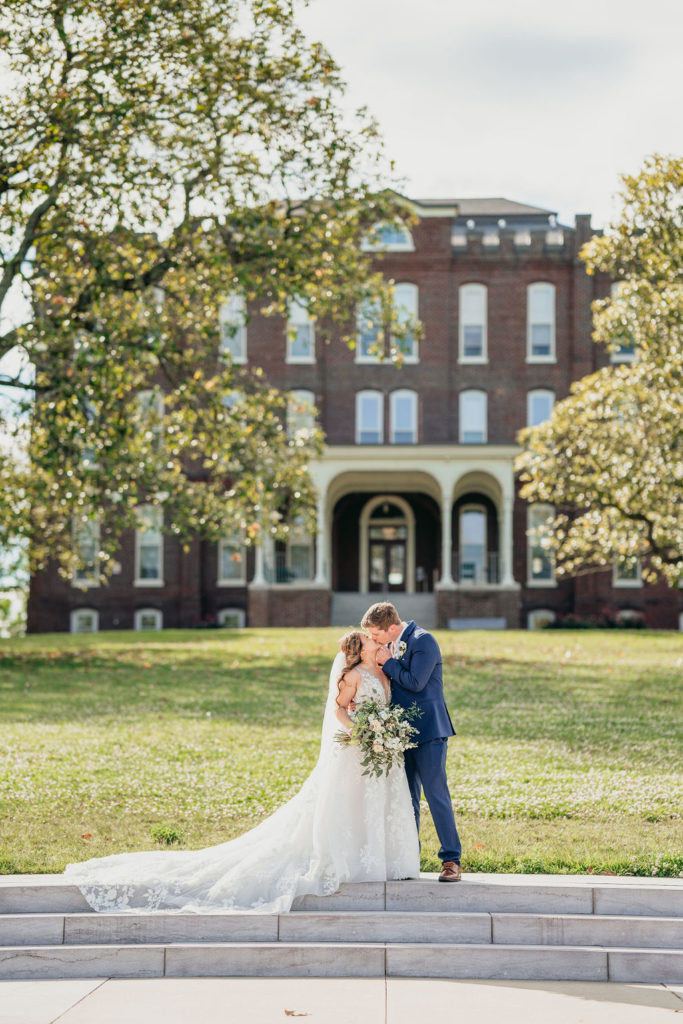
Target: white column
{"type": "Point", "coordinates": [321, 574]}
{"type": "Point", "coordinates": [259, 579]}
{"type": "Point", "coordinates": [507, 579]}
{"type": "Point", "coordinates": [446, 541]}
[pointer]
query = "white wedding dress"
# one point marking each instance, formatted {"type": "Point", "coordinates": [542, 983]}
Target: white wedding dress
{"type": "Point", "coordinates": [341, 826]}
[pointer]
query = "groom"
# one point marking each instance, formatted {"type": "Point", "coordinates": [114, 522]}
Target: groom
{"type": "Point", "coordinates": [412, 661]}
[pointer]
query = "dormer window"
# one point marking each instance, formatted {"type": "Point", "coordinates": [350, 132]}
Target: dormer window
{"type": "Point", "coordinates": [389, 236]}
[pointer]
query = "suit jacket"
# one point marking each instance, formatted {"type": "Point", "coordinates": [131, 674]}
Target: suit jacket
{"type": "Point", "coordinates": [416, 678]}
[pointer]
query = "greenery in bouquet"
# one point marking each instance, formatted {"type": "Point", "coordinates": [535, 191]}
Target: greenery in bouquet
{"type": "Point", "coordinates": [383, 732]}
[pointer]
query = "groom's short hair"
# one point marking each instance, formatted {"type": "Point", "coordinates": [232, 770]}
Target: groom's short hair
{"type": "Point", "coordinates": [381, 616]}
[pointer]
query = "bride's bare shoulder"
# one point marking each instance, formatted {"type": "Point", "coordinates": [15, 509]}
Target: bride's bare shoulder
{"type": "Point", "coordinates": [350, 680]}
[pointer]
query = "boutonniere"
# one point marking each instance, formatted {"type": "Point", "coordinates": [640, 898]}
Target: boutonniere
{"type": "Point", "coordinates": [402, 648]}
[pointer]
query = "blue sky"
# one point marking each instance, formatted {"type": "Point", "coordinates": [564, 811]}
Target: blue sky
{"type": "Point", "coordinates": [542, 102]}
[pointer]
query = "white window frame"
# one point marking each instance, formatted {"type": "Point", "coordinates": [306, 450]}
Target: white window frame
{"type": "Point", "coordinates": [539, 615]}
{"type": "Point", "coordinates": [86, 582]}
{"type": "Point", "coordinates": [298, 425]}
{"type": "Point", "coordinates": [236, 545]}
{"type": "Point", "coordinates": [158, 618]}
{"type": "Point", "coordinates": [463, 401]}
{"type": "Point", "coordinates": [379, 396]}
{"type": "Point", "coordinates": [150, 407]}
{"type": "Point", "coordinates": [144, 511]}
{"type": "Point", "coordinates": [546, 511]}
{"type": "Point", "coordinates": [532, 290]}
{"type": "Point", "coordinates": [372, 242]}
{"type": "Point", "coordinates": [366, 310]}
{"type": "Point", "coordinates": [394, 398]}
{"type": "Point", "coordinates": [407, 301]}
{"type": "Point", "coordinates": [471, 294]}
{"type": "Point", "coordinates": [299, 317]}
{"type": "Point", "coordinates": [625, 582]}
{"type": "Point", "coordinates": [73, 619]}
{"type": "Point", "coordinates": [234, 312]}
{"type": "Point", "coordinates": [480, 510]}
{"type": "Point", "coordinates": [536, 393]}
{"type": "Point", "coordinates": [225, 613]}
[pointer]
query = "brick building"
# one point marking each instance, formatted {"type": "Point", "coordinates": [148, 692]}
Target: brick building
{"type": "Point", "coordinates": [416, 492]}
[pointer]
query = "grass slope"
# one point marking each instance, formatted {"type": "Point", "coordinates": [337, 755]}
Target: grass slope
{"type": "Point", "coordinates": [568, 755]}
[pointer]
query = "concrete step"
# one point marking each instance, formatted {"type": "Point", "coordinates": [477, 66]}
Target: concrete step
{"type": "Point", "coordinates": [477, 893]}
{"type": "Point", "coordinates": [351, 960]}
{"type": "Point", "coordinates": [348, 608]}
{"type": "Point", "coordinates": [342, 927]}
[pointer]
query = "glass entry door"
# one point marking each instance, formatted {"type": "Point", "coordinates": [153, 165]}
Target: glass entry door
{"type": "Point", "coordinates": [387, 549]}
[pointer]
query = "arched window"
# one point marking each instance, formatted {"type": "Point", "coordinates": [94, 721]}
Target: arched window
{"type": "Point", "coordinates": [233, 328]}
{"type": "Point", "coordinates": [84, 620]}
{"type": "Point", "coordinates": [473, 417]}
{"type": "Point", "coordinates": [626, 351]}
{"type": "Point", "coordinates": [300, 333]}
{"type": "Point", "coordinates": [369, 338]}
{"type": "Point", "coordinates": [149, 548]}
{"type": "Point", "coordinates": [148, 619]}
{"type": "Point", "coordinates": [539, 406]}
{"type": "Point", "coordinates": [406, 307]}
{"type": "Point", "coordinates": [300, 414]}
{"type": "Point", "coordinates": [369, 417]}
{"type": "Point", "coordinates": [231, 618]}
{"type": "Point", "coordinates": [403, 417]}
{"type": "Point", "coordinates": [540, 561]}
{"type": "Point", "coordinates": [541, 322]}
{"type": "Point", "coordinates": [472, 323]}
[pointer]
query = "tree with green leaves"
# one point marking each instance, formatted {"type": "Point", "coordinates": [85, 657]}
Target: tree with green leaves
{"type": "Point", "coordinates": [610, 459]}
{"type": "Point", "coordinates": [157, 157]}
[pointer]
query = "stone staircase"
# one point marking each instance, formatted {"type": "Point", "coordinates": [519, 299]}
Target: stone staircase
{"type": "Point", "coordinates": [565, 928]}
{"type": "Point", "coordinates": [348, 608]}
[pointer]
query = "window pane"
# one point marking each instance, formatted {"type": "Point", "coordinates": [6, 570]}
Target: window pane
{"type": "Point", "coordinates": [540, 553]}
{"type": "Point", "coordinates": [233, 331]}
{"type": "Point", "coordinates": [300, 413]}
{"type": "Point", "coordinates": [403, 407]}
{"type": "Point", "coordinates": [473, 340]}
{"type": "Point", "coordinates": [540, 407]}
{"type": "Point", "coordinates": [369, 419]}
{"type": "Point", "coordinates": [540, 339]}
{"type": "Point", "coordinates": [231, 560]}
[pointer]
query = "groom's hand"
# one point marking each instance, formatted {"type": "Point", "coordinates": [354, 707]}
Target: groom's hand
{"type": "Point", "coordinates": [383, 654]}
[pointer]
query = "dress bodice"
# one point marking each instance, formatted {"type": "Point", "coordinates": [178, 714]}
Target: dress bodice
{"type": "Point", "coordinates": [369, 688]}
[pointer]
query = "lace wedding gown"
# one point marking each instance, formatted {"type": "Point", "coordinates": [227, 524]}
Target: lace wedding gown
{"type": "Point", "coordinates": [341, 826]}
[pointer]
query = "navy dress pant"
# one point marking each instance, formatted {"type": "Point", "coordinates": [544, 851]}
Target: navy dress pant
{"type": "Point", "coordinates": [426, 770]}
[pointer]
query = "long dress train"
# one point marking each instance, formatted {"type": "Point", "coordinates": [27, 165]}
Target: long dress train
{"type": "Point", "coordinates": [341, 826]}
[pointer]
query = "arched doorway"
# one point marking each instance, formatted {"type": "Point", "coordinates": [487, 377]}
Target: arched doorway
{"type": "Point", "coordinates": [387, 545]}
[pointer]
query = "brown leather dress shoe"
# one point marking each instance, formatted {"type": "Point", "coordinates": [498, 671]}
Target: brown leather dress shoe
{"type": "Point", "coordinates": [451, 872]}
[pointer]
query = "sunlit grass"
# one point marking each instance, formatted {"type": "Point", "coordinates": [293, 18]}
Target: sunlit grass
{"type": "Point", "coordinates": [568, 755]}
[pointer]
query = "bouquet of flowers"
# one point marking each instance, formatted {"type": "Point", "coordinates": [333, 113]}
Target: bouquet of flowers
{"type": "Point", "coordinates": [383, 732]}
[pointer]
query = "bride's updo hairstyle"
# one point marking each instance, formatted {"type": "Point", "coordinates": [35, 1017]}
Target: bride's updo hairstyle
{"type": "Point", "coordinates": [351, 646]}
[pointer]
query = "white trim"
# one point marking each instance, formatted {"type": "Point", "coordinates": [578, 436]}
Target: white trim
{"type": "Point", "coordinates": [290, 331]}
{"type": "Point", "coordinates": [93, 581]}
{"type": "Point", "coordinates": [158, 618]}
{"type": "Point", "coordinates": [413, 357]}
{"type": "Point", "coordinates": [88, 611]}
{"type": "Point", "coordinates": [364, 546]}
{"type": "Point", "coordinates": [234, 307]}
{"type": "Point", "coordinates": [305, 428]}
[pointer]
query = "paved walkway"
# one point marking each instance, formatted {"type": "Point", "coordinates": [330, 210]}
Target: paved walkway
{"type": "Point", "coordinates": [335, 1001]}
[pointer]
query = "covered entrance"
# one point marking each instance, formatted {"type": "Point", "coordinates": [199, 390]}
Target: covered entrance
{"type": "Point", "coordinates": [387, 545]}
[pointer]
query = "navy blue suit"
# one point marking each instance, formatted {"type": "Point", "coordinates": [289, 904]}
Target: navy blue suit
{"type": "Point", "coordinates": [416, 678]}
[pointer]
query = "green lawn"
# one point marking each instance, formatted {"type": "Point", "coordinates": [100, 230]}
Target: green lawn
{"type": "Point", "coordinates": [568, 755]}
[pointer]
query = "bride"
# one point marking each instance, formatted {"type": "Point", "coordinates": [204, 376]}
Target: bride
{"type": "Point", "coordinates": [341, 826]}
